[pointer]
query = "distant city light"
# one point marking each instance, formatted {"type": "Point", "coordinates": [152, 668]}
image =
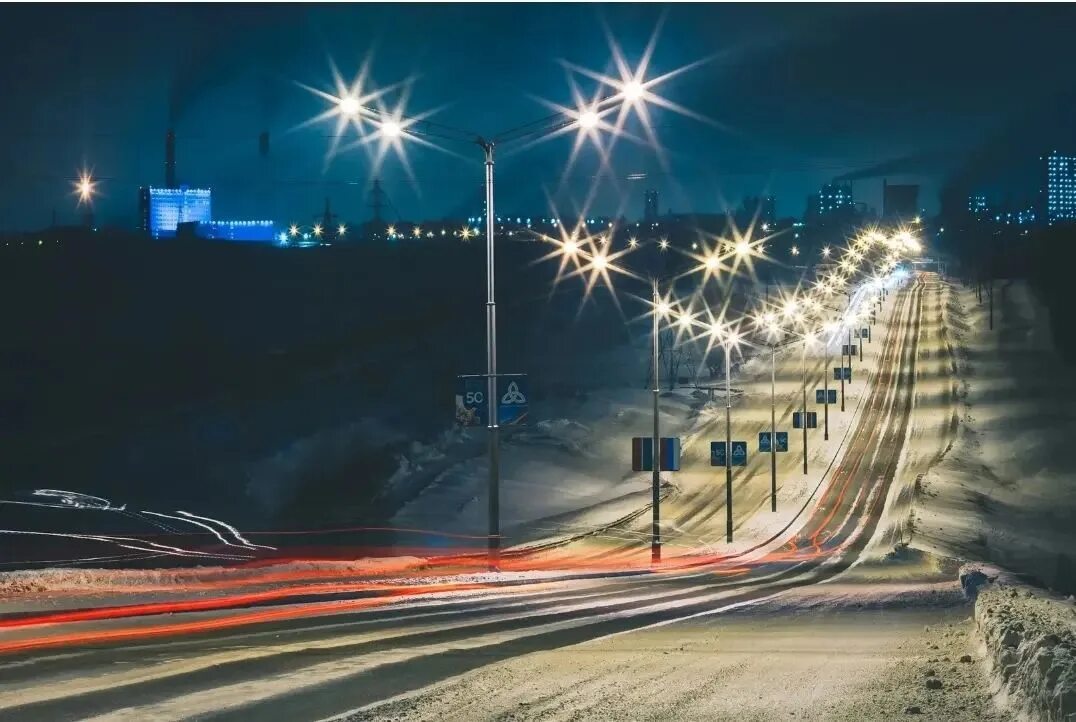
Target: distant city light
{"type": "Point", "coordinates": [317, 231]}
{"type": "Point", "coordinates": [633, 242]}
{"type": "Point", "coordinates": [795, 250]}
{"type": "Point", "coordinates": [664, 243]}
{"type": "Point", "coordinates": [294, 231]}
{"type": "Point", "coordinates": [341, 230]}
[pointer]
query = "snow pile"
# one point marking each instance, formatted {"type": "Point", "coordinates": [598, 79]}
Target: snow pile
{"type": "Point", "coordinates": [1030, 640]}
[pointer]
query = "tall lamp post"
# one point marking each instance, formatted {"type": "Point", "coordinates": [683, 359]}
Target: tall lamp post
{"type": "Point", "coordinates": [391, 127]}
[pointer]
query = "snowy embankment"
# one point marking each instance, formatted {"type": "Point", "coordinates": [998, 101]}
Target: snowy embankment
{"type": "Point", "coordinates": [1029, 637]}
{"type": "Point", "coordinates": [1002, 491]}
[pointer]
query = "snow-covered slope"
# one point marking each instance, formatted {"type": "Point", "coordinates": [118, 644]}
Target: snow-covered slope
{"type": "Point", "coordinates": [1003, 492]}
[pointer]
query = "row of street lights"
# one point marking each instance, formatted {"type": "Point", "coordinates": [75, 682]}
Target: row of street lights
{"type": "Point", "coordinates": [630, 92]}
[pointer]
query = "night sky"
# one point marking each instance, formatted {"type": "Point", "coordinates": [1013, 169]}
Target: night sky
{"type": "Point", "coordinates": [796, 96]}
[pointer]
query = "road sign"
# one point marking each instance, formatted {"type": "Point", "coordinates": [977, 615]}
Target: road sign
{"type": "Point", "coordinates": [764, 441]}
{"type": "Point", "coordinates": [812, 420]}
{"type": "Point", "coordinates": [865, 333]}
{"type": "Point", "coordinates": [513, 400]}
{"type": "Point", "coordinates": [739, 453]}
{"type": "Point", "coordinates": [642, 454]}
{"type": "Point", "coordinates": [847, 370]}
{"type": "Point", "coordinates": [782, 441]}
{"type": "Point", "coordinates": [855, 333]}
{"type": "Point", "coordinates": [820, 396]}
{"type": "Point", "coordinates": [848, 349]}
{"type": "Point", "coordinates": [717, 453]}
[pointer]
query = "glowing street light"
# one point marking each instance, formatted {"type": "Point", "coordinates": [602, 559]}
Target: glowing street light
{"type": "Point", "coordinates": [391, 129]}
{"type": "Point", "coordinates": [632, 90]}
{"type": "Point", "coordinates": [663, 244]}
{"type": "Point", "coordinates": [633, 242]}
{"type": "Point", "coordinates": [825, 251]}
{"type": "Point", "coordinates": [795, 250]}
{"type": "Point", "coordinates": [742, 248]}
{"type": "Point", "coordinates": [349, 105]}
{"type": "Point", "coordinates": [317, 231]}
{"type": "Point", "coordinates": [342, 230]}
{"type": "Point", "coordinates": [293, 231]}
{"type": "Point", "coordinates": [588, 120]}
{"type": "Point", "coordinates": [85, 187]}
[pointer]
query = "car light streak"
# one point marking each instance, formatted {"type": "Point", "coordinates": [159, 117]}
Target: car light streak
{"type": "Point", "coordinates": [207, 625]}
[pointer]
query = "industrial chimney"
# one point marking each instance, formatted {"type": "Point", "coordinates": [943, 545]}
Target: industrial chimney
{"type": "Point", "coordinates": [170, 159]}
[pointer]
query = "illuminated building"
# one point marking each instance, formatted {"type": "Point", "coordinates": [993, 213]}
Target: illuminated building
{"type": "Point", "coordinates": [1060, 188]}
{"type": "Point", "coordinates": [977, 205]}
{"type": "Point", "coordinates": [833, 203]}
{"type": "Point", "coordinates": [250, 231]}
{"type": "Point", "coordinates": [163, 209]}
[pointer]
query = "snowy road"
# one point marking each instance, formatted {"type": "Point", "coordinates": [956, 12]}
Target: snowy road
{"type": "Point", "coordinates": [337, 654]}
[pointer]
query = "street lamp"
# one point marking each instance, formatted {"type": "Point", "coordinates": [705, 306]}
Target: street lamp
{"type": "Point", "coordinates": [632, 91]}
{"type": "Point", "coordinates": [730, 340]}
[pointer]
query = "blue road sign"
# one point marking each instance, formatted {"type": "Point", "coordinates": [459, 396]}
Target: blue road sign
{"type": "Point", "coordinates": [820, 396]}
{"type": "Point", "coordinates": [837, 371]}
{"type": "Point", "coordinates": [782, 441]}
{"type": "Point", "coordinates": [865, 333]}
{"type": "Point", "coordinates": [717, 453]}
{"type": "Point", "coordinates": [848, 349]}
{"type": "Point", "coordinates": [739, 453]}
{"type": "Point", "coordinates": [719, 458]}
{"type": "Point", "coordinates": [513, 400]}
{"type": "Point", "coordinates": [642, 453]}
{"type": "Point", "coordinates": [764, 441]}
{"type": "Point", "coordinates": [797, 419]}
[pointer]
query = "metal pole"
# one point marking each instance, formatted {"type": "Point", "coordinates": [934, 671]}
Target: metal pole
{"type": "Point", "coordinates": [825, 387]}
{"type": "Point", "coordinates": [849, 356]}
{"type": "Point", "coordinates": [803, 416]}
{"type": "Point", "coordinates": [861, 345]}
{"type": "Point", "coordinates": [728, 451]}
{"type": "Point", "coordinates": [990, 293]}
{"type": "Point", "coordinates": [491, 374]}
{"type": "Point", "coordinates": [655, 540]}
{"type": "Point", "coordinates": [773, 428]}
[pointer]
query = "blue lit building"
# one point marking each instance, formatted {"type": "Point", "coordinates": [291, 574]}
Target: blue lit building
{"type": "Point", "coordinates": [834, 202]}
{"type": "Point", "coordinates": [163, 209]}
{"type": "Point", "coordinates": [244, 231]}
{"type": "Point", "coordinates": [977, 206]}
{"type": "Point", "coordinates": [1060, 188]}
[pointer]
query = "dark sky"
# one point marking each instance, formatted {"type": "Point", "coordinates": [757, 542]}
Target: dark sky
{"type": "Point", "coordinates": [798, 95]}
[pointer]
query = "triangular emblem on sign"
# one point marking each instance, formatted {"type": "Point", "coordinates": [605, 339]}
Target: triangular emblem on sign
{"type": "Point", "coordinates": [513, 395]}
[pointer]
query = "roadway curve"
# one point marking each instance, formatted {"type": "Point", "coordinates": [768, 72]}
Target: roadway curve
{"type": "Point", "coordinates": [323, 655]}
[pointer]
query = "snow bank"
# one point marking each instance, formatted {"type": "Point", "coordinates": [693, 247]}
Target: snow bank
{"type": "Point", "coordinates": [89, 580]}
{"type": "Point", "coordinates": [1002, 492]}
{"type": "Point", "coordinates": [1030, 641]}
